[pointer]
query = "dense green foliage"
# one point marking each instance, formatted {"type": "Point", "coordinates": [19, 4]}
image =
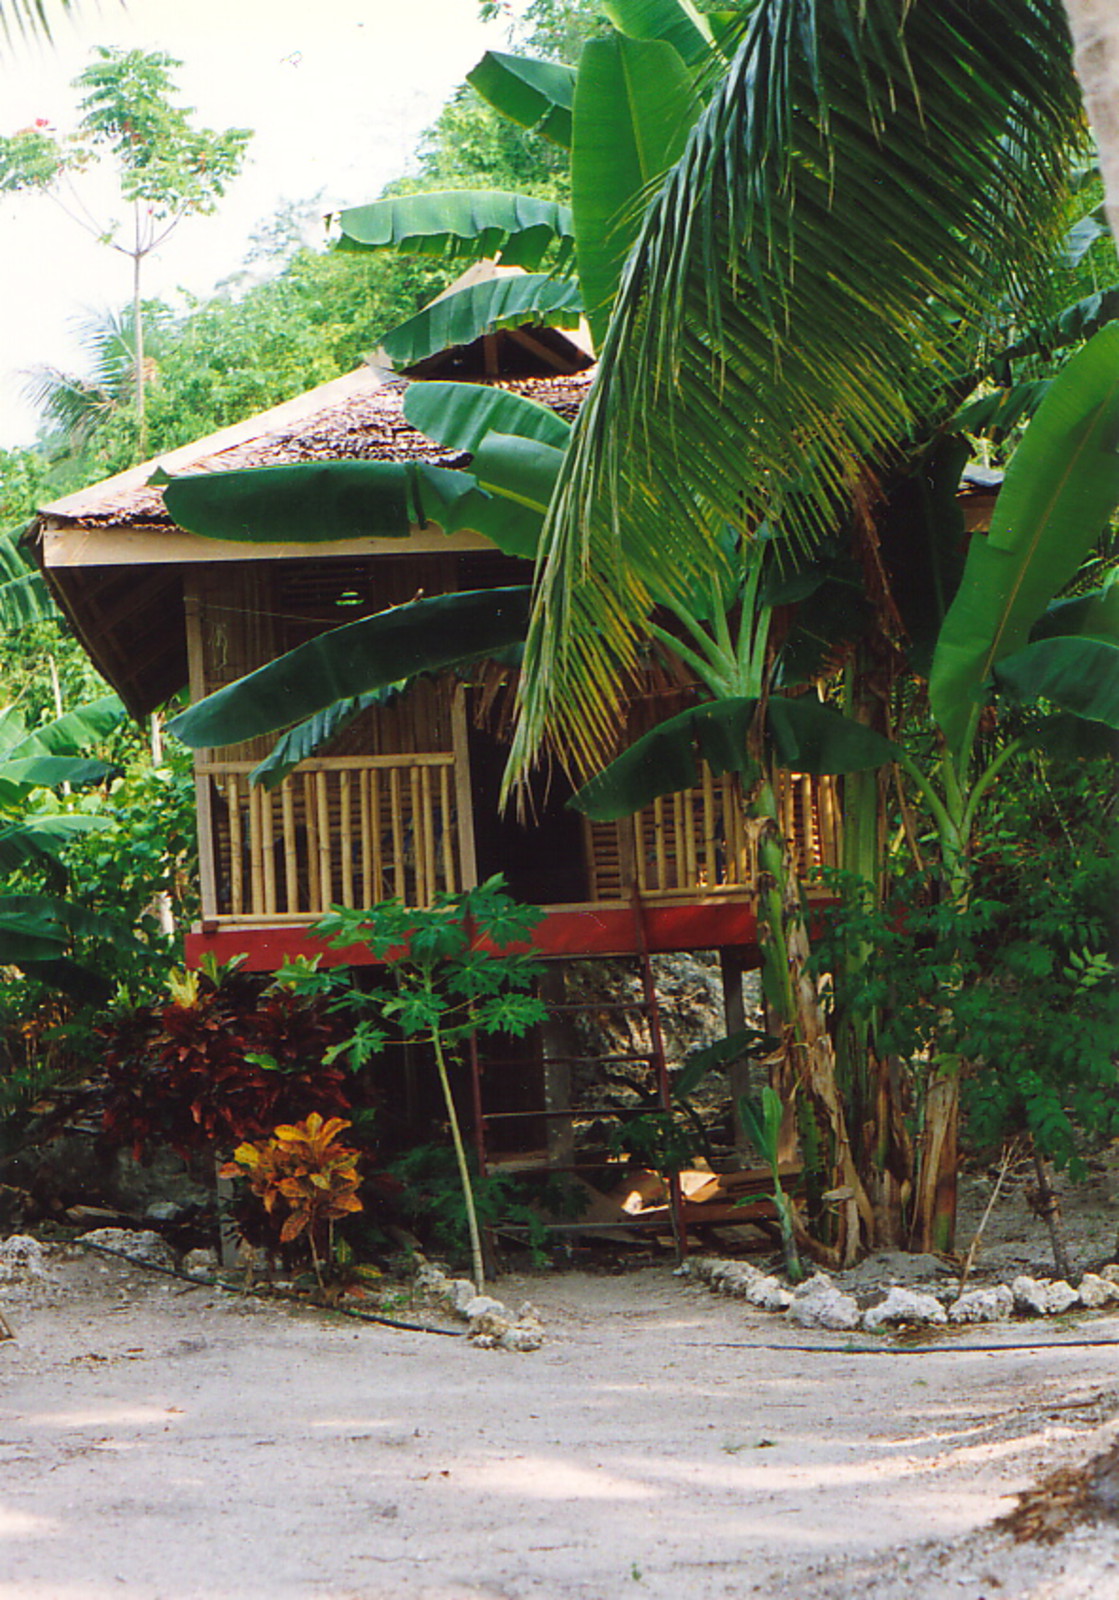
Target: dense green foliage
{"type": "Point", "coordinates": [1018, 984]}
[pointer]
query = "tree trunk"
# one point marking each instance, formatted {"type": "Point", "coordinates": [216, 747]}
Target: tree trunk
{"type": "Point", "coordinates": [1094, 25]}
{"type": "Point", "coordinates": [138, 344]}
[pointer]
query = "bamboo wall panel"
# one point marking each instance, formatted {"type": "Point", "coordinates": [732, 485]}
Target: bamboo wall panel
{"type": "Point", "coordinates": [337, 832]}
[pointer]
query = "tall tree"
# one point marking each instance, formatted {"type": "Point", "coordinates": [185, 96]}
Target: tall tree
{"type": "Point", "coordinates": [167, 168]}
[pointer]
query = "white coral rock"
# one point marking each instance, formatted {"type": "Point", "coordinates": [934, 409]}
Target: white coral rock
{"type": "Point", "coordinates": [819, 1304]}
{"type": "Point", "coordinates": [982, 1305]}
{"type": "Point", "coordinates": [904, 1308]}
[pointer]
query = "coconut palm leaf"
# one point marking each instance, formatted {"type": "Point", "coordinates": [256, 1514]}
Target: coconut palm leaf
{"type": "Point", "coordinates": [461, 223]}
{"type": "Point", "coordinates": [533, 94]}
{"type": "Point", "coordinates": [860, 184]}
{"type": "Point", "coordinates": [467, 314]}
{"type": "Point", "coordinates": [29, 17]}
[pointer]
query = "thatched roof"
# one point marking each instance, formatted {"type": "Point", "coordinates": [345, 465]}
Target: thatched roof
{"type": "Point", "coordinates": [114, 558]}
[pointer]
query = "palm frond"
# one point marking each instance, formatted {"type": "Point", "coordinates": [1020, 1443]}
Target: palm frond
{"type": "Point", "coordinates": [862, 184]}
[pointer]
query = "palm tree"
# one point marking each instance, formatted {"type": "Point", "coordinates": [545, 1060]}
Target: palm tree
{"type": "Point", "coordinates": [811, 280]}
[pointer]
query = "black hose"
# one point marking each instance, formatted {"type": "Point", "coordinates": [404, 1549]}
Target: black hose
{"type": "Point", "coordinates": [273, 1294]}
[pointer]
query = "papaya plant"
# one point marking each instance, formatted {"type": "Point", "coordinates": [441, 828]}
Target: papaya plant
{"type": "Point", "coordinates": [461, 968]}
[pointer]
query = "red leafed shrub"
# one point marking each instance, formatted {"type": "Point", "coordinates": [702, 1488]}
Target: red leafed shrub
{"type": "Point", "coordinates": [225, 1069]}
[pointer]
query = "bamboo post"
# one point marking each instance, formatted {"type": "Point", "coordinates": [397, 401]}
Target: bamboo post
{"type": "Point", "coordinates": [378, 851]}
{"type": "Point", "coordinates": [429, 831]}
{"type": "Point", "coordinates": [447, 838]}
{"type": "Point", "coordinates": [710, 848]}
{"type": "Point", "coordinates": [322, 800]}
{"type": "Point", "coordinates": [419, 845]}
{"type": "Point", "coordinates": [464, 799]}
{"type": "Point", "coordinates": [268, 845]}
{"type": "Point", "coordinates": [808, 810]}
{"type": "Point", "coordinates": [399, 886]}
{"type": "Point", "coordinates": [659, 843]}
{"type": "Point", "coordinates": [256, 855]}
{"type": "Point", "coordinates": [291, 858]}
{"type": "Point", "coordinates": [346, 837]}
{"type": "Point", "coordinates": [366, 825]}
{"type": "Point", "coordinates": [310, 815]}
{"type": "Point", "coordinates": [236, 868]}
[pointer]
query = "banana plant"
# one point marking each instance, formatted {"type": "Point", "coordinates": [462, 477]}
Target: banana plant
{"type": "Point", "coordinates": [38, 930]}
{"type": "Point", "coordinates": [624, 114]}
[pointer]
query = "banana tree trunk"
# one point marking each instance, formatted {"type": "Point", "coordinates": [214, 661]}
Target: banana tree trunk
{"type": "Point", "coordinates": [934, 1195]}
{"type": "Point", "coordinates": [804, 1066]}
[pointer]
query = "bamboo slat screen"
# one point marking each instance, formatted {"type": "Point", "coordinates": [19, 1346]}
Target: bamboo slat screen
{"type": "Point", "coordinates": [343, 831]}
{"type": "Point", "coordinates": [696, 841]}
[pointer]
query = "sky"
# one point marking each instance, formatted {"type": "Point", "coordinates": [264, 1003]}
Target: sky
{"type": "Point", "coordinates": [337, 91]}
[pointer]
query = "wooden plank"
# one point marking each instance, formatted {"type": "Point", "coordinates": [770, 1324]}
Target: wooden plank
{"type": "Point", "coordinates": [160, 547]}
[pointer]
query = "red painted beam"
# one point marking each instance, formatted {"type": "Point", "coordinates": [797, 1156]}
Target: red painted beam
{"type": "Point", "coordinates": [582, 931]}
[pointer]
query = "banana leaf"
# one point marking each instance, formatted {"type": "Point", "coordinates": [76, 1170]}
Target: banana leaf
{"type": "Point", "coordinates": [1069, 738]}
{"type": "Point", "coordinates": [807, 736]}
{"type": "Point", "coordinates": [677, 22]}
{"type": "Point", "coordinates": [457, 319]}
{"type": "Point", "coordinates": [315, 502]}
{"type": "Point", "coordinates": [47, 772]}
{"type": "Point", "coordinates": [308, 737]}
{"type": "Point", "coordinates": [1078, 674]}
{"type": "Point", "coordinates": [1061, 487]}
{"type": "Point", "coordinates": [25, 600]}
{"type": "Point", "coordinates": [995, 414]}
{"type": "Point", "coordinates": [41, 839]}
{"type": "Point", "coordinates": [36, 927]}
{"type": "Point", "coordinates": [458, 223]}
{"type": "Point", "coordinates": [1095, 615]}
{"type": "Point", "coordinates": [65, 735]}
{"type": "Point", "coordinates": [634, 105]}
{"type": "Point", "coordinates": [459, 415]}
{"type": "Point", "coordinates": [533, 94]}
{"type": "Point", "coordinates": [422, 636]}
{"type": "Point", "coordinates": [668, 759]}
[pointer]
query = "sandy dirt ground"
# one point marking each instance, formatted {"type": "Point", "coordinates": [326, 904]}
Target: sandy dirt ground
{"type": "Point", "coordinates": [166, 1442]}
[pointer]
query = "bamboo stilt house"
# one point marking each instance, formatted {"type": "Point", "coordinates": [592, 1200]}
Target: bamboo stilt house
{"type": "Point", "coordinates": [403, 802]}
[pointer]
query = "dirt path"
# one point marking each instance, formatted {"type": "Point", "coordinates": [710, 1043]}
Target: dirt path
{"type": "Point", "coordinates": [167, 1443]}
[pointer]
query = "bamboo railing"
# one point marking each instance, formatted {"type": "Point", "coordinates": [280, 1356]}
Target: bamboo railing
{"type": "Point", "coordinates": [349, 830]}
{"type": "Point", "coordinates": [699, 841]}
